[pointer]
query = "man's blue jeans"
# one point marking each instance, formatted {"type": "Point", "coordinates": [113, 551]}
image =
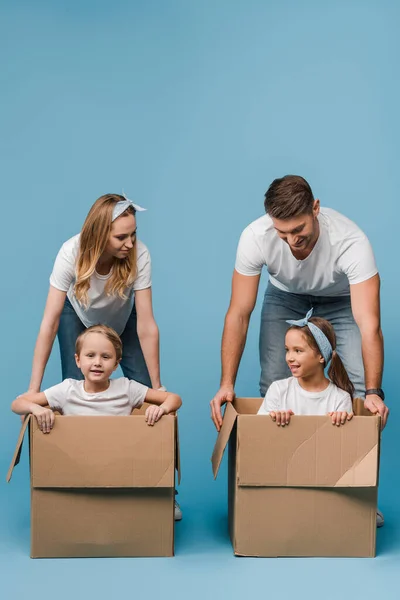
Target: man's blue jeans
{"type": "Point", "coordinates": [133, 364]}
{"type": "Point", "coordinates": [279, 306]}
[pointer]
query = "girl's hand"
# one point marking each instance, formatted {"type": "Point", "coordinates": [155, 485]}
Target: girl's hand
{"type": "Point", "coordinates": [44, 418]}
{"type": "Point", "coordinates": [154, 413]}
{"type": "Point", "coordinates": [281, 417]}
{"type": "Point", "coordinates": [340, 417]}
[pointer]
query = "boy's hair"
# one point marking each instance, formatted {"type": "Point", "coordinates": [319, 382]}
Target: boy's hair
{"type": "Point", "coordinates": [336, 372]}
{"type": "Point", "coordinates": [108, 332]}
{"type": "Point", "coordinates": [288, 197]}
{"type": "Point", "coordinates": [92, 243]}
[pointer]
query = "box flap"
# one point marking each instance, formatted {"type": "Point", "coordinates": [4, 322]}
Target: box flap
{"type": "Point", "coordinates": [104, 452]}
{"type": "Point", "coordinates": [18, 449]}
{"type": "Point", "coordinates": [310, 452]}
{"type": "Point", "coordinates": [177, 450]}
{"type": "Point", "coordinates": [223, 437]}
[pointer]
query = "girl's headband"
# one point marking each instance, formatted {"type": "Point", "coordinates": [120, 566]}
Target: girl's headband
{"type": "Point", "coordinates": [322, 341]}
{"type": "Point", "coordinates": [122, 205]}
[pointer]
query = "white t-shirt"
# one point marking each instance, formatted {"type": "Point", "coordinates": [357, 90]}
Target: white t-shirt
{"type": "Point", "coordinates": [287, 394]}
{"type": "Point", "coordinates": [108, 310]}
{"type": "Point", "coordinates": [341, 256]}
{"type": "Point", "coordinates": [122, 396]}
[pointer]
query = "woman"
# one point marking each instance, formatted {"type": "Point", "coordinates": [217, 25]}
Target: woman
{"type": "Point", "coordinates": [102, 275]}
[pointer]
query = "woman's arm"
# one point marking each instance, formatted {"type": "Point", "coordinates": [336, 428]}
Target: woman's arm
{"type": "Point", "coordinates": [148, 335]}
{"type": "Point", "coordinates": [47, 333]}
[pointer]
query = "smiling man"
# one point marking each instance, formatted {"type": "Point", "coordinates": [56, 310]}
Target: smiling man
{"type": "Point", "coordinates": [316, 258]}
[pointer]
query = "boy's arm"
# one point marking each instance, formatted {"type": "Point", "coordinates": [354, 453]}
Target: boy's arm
{"type": "Point", "coordinates": [170, 402]}
{"type": "Point", "coordinates": [29, 403]}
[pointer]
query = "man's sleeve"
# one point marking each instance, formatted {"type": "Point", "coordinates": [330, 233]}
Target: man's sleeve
{"type": "Point", "coordinates": [249, 258]}
{"type": "Point", "coordinates": [358, 261]}
{"type": "Point", "coordinates": [57, 395]}
{"type": "Point", "coordinates": [272, 401]}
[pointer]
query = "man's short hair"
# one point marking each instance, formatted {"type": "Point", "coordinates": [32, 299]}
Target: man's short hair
{"type": "Point", "coordinates": [288, 197]}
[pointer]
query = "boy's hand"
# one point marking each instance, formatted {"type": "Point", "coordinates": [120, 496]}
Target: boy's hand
{"type": "Point", "coordinates": [44, 417]}
{"type": "Point", "coordinates": [340, 417]}
{"type": "Point", "coordinates": [281, 417]}
{"type": "Point", "coordinates": [154, 413]}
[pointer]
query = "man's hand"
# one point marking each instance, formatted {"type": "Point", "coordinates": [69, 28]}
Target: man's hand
{"type": "Point", "coordinates": [225, 394]}
{"type": "Point", "coordinates": [375, 405]}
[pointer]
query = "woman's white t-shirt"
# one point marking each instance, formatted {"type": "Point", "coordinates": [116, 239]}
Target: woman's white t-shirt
{"type": "Point", "coordinates": [287, 394]}
{"type": "Point", "coordinates": [341, 256]}
{"type": "Point", "coordinates": [108, 310]}
{"type": "Point", "coordinates": [122, 396]}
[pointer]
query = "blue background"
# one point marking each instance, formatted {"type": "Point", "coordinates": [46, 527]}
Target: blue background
{"type": "Point", "coordinates": [193, 108]}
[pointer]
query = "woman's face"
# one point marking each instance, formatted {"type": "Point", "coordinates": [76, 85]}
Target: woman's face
{"type": "Point", "coordinates": [122, 236]}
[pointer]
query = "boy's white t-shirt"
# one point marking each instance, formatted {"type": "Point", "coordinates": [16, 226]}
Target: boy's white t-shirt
{"type": "Point", "coordinates": [122, 396]}
{"type": "Point", "coordinates": [341, 256]}
{"type": "Point", "coordinates": [287, 394]}
{"type": "Point", "coordinates": [108, 310]}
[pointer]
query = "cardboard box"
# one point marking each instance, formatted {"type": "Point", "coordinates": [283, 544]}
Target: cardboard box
{"type": "Point", "coordinates": [309, 489]}
{"type": "Point", "coordinates": [102, 486]}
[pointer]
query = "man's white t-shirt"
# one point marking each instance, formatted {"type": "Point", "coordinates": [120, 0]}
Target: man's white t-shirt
{"type": "Point", "coordinates": [122, 396]}
{"type": "Point", "coordinates": [287, 394]}
{"type": "Point", "coordinates": [341, 256]}
{"type": "Point", "coordinates": [108, 310]}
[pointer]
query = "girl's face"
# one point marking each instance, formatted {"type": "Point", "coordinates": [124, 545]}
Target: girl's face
{"type": "Point", "coordinates": [122, 236]}
{"type": "Point", "coordinates": [302, 360]}
{"type": "Point", "coordinates": [97, 358]}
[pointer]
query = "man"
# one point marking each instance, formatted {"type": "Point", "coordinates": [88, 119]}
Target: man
{"type": "Point", "coordinates": [316, 258]}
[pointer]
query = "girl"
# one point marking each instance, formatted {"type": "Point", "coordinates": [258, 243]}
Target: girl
{"type": "Point", "coordinates": [102, 275]}
{"type": "Point", "coordinates": [310, 346]}
{"type": "Point", "coordinates": [98, 353]}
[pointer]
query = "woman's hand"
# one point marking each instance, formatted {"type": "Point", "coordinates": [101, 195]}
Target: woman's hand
{"type": "Point", "coordinates": [44, 417]}
{"type": "Point", "coordinates": [154, 413]}
{"type": "Point", "coordinates": [281, 417]}
{"type": "Point", "coordinates": [340, 417]}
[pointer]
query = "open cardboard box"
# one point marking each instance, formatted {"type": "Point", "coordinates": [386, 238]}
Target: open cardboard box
{"type": "Point", "coordinates": [309, 489]}
{"type": "Point", "coordinates": [102, 486]}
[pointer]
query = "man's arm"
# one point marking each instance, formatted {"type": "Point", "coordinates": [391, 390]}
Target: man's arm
{"type": "Point", "coordinates": [365, 304]}
{"type": "Point", "coordinates": [243, 299]}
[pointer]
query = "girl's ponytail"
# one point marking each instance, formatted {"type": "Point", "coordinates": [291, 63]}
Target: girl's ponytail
{"type": "Point", "coordinates": [338, 375]}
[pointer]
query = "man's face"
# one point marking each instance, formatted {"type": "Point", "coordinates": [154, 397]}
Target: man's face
{"type": "Point", "coordinates": [300, 232]}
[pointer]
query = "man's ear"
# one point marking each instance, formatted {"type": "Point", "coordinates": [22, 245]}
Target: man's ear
{"type": "Point", "coordinates": [316, 207]}
{"type": "Point", "coordinates": [78, 362]}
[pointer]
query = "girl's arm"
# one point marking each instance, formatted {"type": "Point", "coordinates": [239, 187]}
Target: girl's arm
{"type": "Point", "coordinates": [148, 334]}
{"type": "Point", "coordinates": [164, 403]}
{"type": "Point", "coordinates": [34, 403]}
{"type": "Point", "coordinates": [47, 333]}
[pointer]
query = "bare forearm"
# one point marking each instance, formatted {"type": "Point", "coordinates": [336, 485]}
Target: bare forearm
{"type": "Point", "coordinates": [149, 342]}
{"type": "Point", "coordinates": [372, 352]}
{"type": "Point", "coordinates": [172, 403]}
{"type": "Point", "coordinates": [233, 343]}
{"type": "Point", "coordinates": [41, 354]}
{"type": "Point", "coordinates": [23, 406]}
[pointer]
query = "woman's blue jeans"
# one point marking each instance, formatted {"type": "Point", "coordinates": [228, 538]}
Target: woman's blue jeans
{"type": "Point", "coordinates": [279, 306]}
{"type": "Point", "coordinates": [133, 364]}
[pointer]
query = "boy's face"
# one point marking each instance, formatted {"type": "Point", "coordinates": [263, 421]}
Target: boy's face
{"type": "Point", "coordinates": [302, 360]}
{"type": "Point", "coordinates": [97, 358]}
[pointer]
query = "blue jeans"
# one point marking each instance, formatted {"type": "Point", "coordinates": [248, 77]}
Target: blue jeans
{"type": "Point", "coordinates": [133, 364]}
{"type": "Point", "coordinates": [279, 306]}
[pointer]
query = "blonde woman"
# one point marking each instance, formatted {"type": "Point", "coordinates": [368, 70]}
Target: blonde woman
{"type": "Point", "coordinates": [102, 275]}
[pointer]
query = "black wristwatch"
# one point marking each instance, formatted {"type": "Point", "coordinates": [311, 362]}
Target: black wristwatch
{"type": "Point", "coordinates": [377, 392]}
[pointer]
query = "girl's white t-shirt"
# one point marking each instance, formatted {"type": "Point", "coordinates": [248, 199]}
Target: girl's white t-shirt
{"type": "Point", "coordinates": [287, 394]}
{"type": "Point", "coordinates": [122, 396]}
{"type": "Point", "coordinates": [108, 310]}
{"type": "Point", "coordinates": [341, 256]}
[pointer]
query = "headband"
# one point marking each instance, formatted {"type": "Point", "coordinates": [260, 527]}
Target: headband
{"type": "Point", "coordinates": [322, 341]}
{"type": "Point", "coordinates": [122, 205]}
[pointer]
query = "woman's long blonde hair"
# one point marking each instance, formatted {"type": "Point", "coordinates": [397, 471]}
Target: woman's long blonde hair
{"type": "Point", "coordinates": [93, 241]}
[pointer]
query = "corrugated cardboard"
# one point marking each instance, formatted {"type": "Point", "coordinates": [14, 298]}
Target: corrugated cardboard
{"type": "Point", "coordinates": [309, 489]}
{"type": "Point", "coordinates": [102, 486]}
